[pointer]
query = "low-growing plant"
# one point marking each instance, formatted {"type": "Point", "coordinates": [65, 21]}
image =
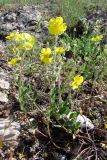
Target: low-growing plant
{"type": "Point", "coordinates": [61, 74]}
{"type": "Point", "coordinates": [89, 54]}
{"type": "Point", "coordinates": [48, 64]}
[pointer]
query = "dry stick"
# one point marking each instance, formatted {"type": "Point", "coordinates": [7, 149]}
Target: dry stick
{"type": "Point", "coordinates": [84, 137]}
{"type": "Point", "coordinates": [89, 157]}
{"type": "Point", "coordinates": [95, 149]}
{"type": "Point", "coordinates": [81, 153]}
{"type": "Point", "coordinates": [88, 152]}
{"type": "Point", "coordinates": [101, 158]}
{"type": "Point", "coordinates": [98, 96]}
{"type": "Point", "coordinates": [42, 134]}
{"type": "Point", "coordinates": [81, 147]}
{"type": "Point", "coordinates": [93, 144]}
{"type": "Point", "coordinates": [51, 138]}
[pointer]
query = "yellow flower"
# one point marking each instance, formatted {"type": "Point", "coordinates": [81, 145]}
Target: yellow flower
{"type": "Point", "coordinates": [56, 26]}
{"type": "Point", "coordinates": [97, 38]}
{"type": "Point", "coordinates": [12, 36]}
{"type": "Point", "coordinates": [60, 50]}
{"type": "Point", "coordinates": [13, 61]}
{"type": "Point", "coordinates": [27, 37]}
{"type": "Point", "coordinates": [78, 80]}
{"type": "Point", "coordinates": [25, 46]}
{"type": "Point", "coordinates": [45, 55]}
{"type": "Point", "coordinates": [25, 40]}
{"type": "Point", "coordinates": [21, 37]}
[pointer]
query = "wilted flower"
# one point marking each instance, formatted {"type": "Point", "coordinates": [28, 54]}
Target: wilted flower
{"type": "Point", "coordinates": [45, 55]}
{"type": "Point", "coordinates": [60, 50]}
{"type": "Point", "coordinates": [13, 61]}
{"type": "Point", "coordinates": [56, 26]}
{"type": "Point", "coordinates": [25, 46]}
{"type": "Point", "coordinates": [27, 38]}
{"type": "Point", "coordinates": [97, 38]}
{"type": "Point", "coordinates": [23, 40]}
{"type": "Point", "coordinates": [78, 80]}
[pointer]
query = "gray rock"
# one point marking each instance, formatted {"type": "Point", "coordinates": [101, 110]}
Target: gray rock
{"type": "Point", "coordinates": [19, 19]}
{"type": "Point", "coordinates": [7, 27]}
{"type": "Point", "coordinates": [85, 122]}
{"type": "Point", "coordinates": [9, 131]}
{"type": "Point", "coordinates": [4, 74]}
{"type": "Point", "coordinates": [3, 97]}
{"type": "Point", "coordinates": [10, 17]}
{"type": "Point", "coordinates": [4, 84]}
{"type": "Point", "coordinates": [20, 26]}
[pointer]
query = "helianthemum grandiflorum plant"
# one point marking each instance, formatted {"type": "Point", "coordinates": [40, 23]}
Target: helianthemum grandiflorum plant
{"type": "Point", "coordinates": [48, 62]}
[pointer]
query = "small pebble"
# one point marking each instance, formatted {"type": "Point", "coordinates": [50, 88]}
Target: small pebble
{"type": "Point", "coordinates": [85, 122]}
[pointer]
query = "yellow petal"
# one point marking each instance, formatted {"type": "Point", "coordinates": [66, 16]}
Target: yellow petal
{"type": "Point", "coordinates": [74, 85]}
{"type": "Point", "coordinates": [60, 50]}
{"type": "Point", "coordinates": [26, 46]}
{"type": "Point", "coordinates": [13, 61]}
{"type": "Point", "coordinates": [46, 51]}
{"type": "Point", "coordinates": [56, 26]}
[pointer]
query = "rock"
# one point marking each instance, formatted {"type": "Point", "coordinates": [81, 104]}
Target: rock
{"type": "Point", "coordinates": [2, 73]}
{"type": "Point", "coordinates": [7, 27]}
{"type": "Point", "coordinates": [9, 17]}
{"type": "Point", "coordinates": [3, 97]}
{"type": "Point", "coordinates": [4, 84]}
{"type": "Point", "coordinates": [9, 131]}
{"type": "Point", "coordinates": [31, 28]}
{"type": "Point", "coordinates": [85, 122]}
{"type": "Point", "coordinates": [10, 134]}
{"type": "Point", "coordinates": [5, 74]}
{"type": "Point", "coordinates": [19, 19]}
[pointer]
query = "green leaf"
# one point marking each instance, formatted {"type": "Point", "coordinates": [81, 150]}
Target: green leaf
{"type": "Point", "coordinates": [64, 110]}
{"type": "Point", "coordinates": [74, 115]}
